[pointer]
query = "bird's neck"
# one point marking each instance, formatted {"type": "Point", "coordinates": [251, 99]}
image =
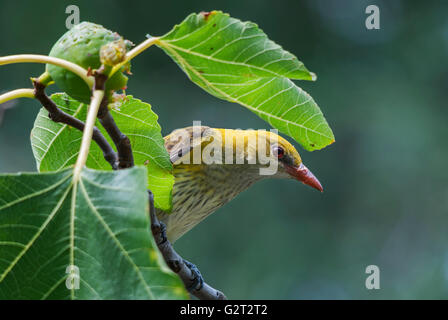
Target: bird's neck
{"type": "Point", "coordinates": [235, 177]}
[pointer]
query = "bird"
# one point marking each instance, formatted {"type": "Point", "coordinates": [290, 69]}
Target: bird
{"type": "Point", "coordinates": [211, 166]}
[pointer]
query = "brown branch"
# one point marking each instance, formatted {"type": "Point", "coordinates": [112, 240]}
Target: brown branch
{"type": "Point", "coordinates": [121, 141]}
{"type": "Point", "coordinates": [199, 289]}
{"type": "Point", "coordinates": [57, 115]}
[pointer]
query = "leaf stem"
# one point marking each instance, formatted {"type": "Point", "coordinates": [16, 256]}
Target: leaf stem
{"type": "Point", "coordinates": [135, 52]}
{"type": "Point", "coordinates": [37, 58]}
{"type": "Point", "coordinates": [45, 79]}
{"type": "Point", "coordinates": [18, 93]}
{"type": "Point", "coordinates": [95, 102]}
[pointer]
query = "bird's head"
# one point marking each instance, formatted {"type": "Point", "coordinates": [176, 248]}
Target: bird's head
{"type": "Point", "coordinates": [262, 153]}
{"type": "Point", "coordinates": [267, 149]}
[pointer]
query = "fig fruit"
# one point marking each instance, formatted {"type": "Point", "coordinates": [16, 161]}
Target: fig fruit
{"type": "Point", "coordinates": [82, 45]}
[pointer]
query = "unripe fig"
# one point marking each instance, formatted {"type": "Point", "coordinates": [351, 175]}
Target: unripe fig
{"type": "Point", "coordinates": [82, 45]}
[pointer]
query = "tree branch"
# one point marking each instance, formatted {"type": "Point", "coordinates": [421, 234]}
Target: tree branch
{"type": "Point", "coordinates": [57, 115]}
{"type": "Point", "coordinates": [121, 141]}
{"type": "Point", "coordinates": [200, 290]}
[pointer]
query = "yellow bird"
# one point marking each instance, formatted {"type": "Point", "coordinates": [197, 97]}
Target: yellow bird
{"type": "Point", "coordinates": [212, 166]}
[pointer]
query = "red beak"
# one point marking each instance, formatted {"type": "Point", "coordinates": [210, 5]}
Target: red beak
{"type": "Point", "coordinates": [302, 173]}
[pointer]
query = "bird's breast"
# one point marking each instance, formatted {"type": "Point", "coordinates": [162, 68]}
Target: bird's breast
{"type": "Point", "coordinates": [199, 190]}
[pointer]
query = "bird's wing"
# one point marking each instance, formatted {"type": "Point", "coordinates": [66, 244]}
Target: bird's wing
{"type": "Point", "coordinates": [180, 142]}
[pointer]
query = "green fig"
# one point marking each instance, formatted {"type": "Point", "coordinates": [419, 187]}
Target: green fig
{"type": "Point", "coordinates": [82, 45]}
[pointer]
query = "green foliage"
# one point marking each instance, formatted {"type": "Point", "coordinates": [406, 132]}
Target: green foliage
{"type": "Point", "coordinates": [82, 45]}
{"type": "Point", "coordinates": [100, 224]}
{"type": "Point", "coordinates": [56, 146]}
{"type": "Point", "coordinates": [236, 61]}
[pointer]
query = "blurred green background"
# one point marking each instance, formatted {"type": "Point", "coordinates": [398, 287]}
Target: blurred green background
{"type": "Point", "coordinates": [384, 93]}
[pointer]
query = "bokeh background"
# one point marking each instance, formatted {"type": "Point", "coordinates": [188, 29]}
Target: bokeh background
{"type": "Point", "coordinates": [384, 93]}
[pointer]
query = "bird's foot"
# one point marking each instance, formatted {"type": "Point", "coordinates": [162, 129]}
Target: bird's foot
{"type": "Point", "coordinates": [198, 281]}
{"type": "Point", "coordinates": [162, 234]}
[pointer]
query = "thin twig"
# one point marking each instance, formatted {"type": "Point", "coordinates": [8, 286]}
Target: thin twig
{"type": "Point", "coordinates": [202, 291]}
{"type": "Point", "coordinates": [57, 115]}
{"type": "Point", "coordinates": [121, 141]}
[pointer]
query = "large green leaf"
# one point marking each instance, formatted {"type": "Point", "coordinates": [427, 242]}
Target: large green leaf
{"type": "Point", "coordinates": [99, 224]}
{"type": "Point", "coordinates": [56, 146]}
{"type": "Point", "coordinates": [236, 61]}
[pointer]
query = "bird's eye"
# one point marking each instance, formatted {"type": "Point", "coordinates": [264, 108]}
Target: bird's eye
{"type": "Point", "coordinates": [278, 151]}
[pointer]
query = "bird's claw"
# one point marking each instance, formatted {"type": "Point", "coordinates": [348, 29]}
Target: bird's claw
{"type": "Point", "coordinates": [163, 237]}
{"type": "Point", "coordinates": [198, 281]}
